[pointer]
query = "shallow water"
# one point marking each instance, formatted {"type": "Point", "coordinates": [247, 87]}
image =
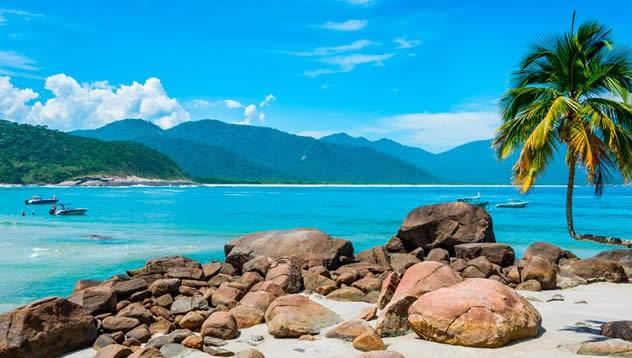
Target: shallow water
{"type": "Point", "coordinates": [44, 255]}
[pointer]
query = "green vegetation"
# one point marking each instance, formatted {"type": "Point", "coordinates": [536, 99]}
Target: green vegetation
{"type": "Point", "coordinates": [570, 90]}
{"type": "Point", "coordinates": [35, 154]}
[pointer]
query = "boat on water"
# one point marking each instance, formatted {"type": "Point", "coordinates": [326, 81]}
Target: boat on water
{"type": "Point", "coordinates": [474, 200]}
{"type": "Point", "coordinates": [38, 200]}
{"type": "Point", "coordinates": [513, 204]}
{"type": "Point", "coordinates": [66, 210]}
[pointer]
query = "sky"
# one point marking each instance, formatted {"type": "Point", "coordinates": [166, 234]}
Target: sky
{"type": "Point", "coordinates": [424, 73]}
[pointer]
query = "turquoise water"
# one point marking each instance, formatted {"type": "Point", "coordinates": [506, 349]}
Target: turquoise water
{"type": "Point", "coordinates": [44, 255]}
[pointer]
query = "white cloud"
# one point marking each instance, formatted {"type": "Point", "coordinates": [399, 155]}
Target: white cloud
{"type": "Point", "coordinates": [332, 50]}
{"type": "Point", "coordinates": [347, 63]}
{"type": "Point", "coordinates": [20, 13]}
{"type": "Point", "coordinates": [14, 101]}
{"type": "Point", "coordinates": [250, 113]}
{"type": "Point", "coordinates": [197, 103]}
{"type": "Point", "coordinates": [349, 25]}
{"type": "Point", "coordinates": [266, 102]}
{"type": "Point", "coordinates": [12, 59]}
{"type": "Point", "coordinates": [404, 43]}
{"type": "Point", "coordinates": [232, 103]}
{"type": "Point", "coordinates": [91, 105]}
{"type": "Point", "coordinates": [262, 117]}
{"type": "Point", "coordinates": [437, 132]}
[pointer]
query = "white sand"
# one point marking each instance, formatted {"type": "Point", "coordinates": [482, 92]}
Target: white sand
{"type": "Point", "coordinates": [565, 325]}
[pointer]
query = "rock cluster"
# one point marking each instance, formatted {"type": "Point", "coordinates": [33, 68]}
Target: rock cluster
{"type": "Point", "coordinates": [442, 276]}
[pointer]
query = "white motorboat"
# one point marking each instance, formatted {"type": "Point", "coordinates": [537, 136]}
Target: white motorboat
{"type": "Point", "coordinates": [66, 210]}
{"type": "Point", "coordinates": [513, 204]}
{"type": "Point", "coordinates": [474, 200]}
{"type": "Point", "coordinates": [38, 200]}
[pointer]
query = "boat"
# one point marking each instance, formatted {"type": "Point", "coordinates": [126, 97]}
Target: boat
{"type": "Point", "coordinates": [38, 200]}
{"type": "Point", "coordinates": [513, 204]}
{"type": "Point", "coordinates": [67, 210]}
{"type": "Point", "coordinates": [474, 200]}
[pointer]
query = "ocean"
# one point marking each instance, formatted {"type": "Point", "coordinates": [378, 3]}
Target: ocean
{"type": "Point", "coordinates": [43, 255]}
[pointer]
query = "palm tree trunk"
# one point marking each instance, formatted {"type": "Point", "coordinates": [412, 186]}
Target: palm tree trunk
{"type": "Point", "coordinates": [569, 216]}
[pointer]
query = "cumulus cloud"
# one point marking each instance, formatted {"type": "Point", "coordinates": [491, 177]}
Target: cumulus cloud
{"type": "Point", "coordinates": [232, 103]}
{"type": "Point", "coordinates": [349, 25]}
{"type": "Point", "coordinates": [14, 101]}
{"type": "Point", "coordinates": [91, 105]}
{"type": "Point", "coordinates": [403, 43]}
{"type": "Point", "coordinates": [266, 102]}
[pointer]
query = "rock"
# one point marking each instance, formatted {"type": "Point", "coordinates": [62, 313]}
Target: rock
{"type": "Point", "coordinates": [286, 273]}
{"type": "Point", "coordinates": [513, 274]}
{"type": "Point", "coordinates": [541, 270]}
{"type": "Point", "coordinates": [140, 296]}
{"type": "Point", "coordinates": [83, 284]}
{"type": "Point", "coordinates": [174, 350]}
{"type": "Point", "coordinates": [368, 314]}
{"type": "Point", "coordinates": [158, 342]}
{"type": "Point", "coordinates": [102, 341]}
{"type": "Point", "coordinates": [184, 305]}
{"type": "Point", "coordinates": [140, 333]}
{"type": "Point", "coordinates": [159, 311]}
{"type": "Point", "coordinates": [215, 342]}
{"type": "Point", "coordinates": [380, 354]}
{"type": "Point", "coordinates": [258, 299]}
{"type": "Point", "coordinates": [400, 261]}
{"type": "Point", "coordinates": [320, 270]}
{"type": "Point", "coordinates": [259, 264]}
{"type": "Point", "coordinates": [116, 323]}
{"type": "Point", "coordinates": [247, 316]}
{"type": "Point", "coordinates": [220, 325]}
{"type": "Point", "coordinates": [218, 352]}
{"type": "Point", "coordinates": [227, 294]}
{"type": "Point", "coordinates": [296, 315]}
{"type": "Point", "coordinates": [556, 298]}
{"type": "Point", "coordinates": [138, 311]}
{"type": "Point", "coordinates": [396, 244]}
{"type": "Point", "coordinates": [368, 341]}
{"type": "Point", "coordinates": [312, 281]}
{"type": "Point", "coordinates": [446, 225]}
{"type": "Point", "coordinates": [125, 289]}
{"type": "Point", "coordinates": [347, 294]}
{"type": "Point", "coordinates": [250, 279]}
{"type": "Point", "coordinates": [249, 353]}
{"type": "Point", "coordinates": [164, 301]}
{"type": "Point", "coordinates": [597, 269]}
{"type": "Point", "coordinates": [307, 338]}
{"type": "Point", "coordinates": [547, 251]}
{"type": "Point", "coordinates": [161, 325]}
{"type": "Point", "coordinates": [531, 285]}
{"type": "Point", "coordinates": [95, 300]}
{"type": "Point", "coordinates": [254, 340]}
{"type": "Point", "coordinates": [347, 277]}
{"type": "Point", "coordinates": [376, 255]}
{"type": "Point", "coordinates": [193, 342]}
{"type": "Point", "coordinates": [349, 330]}
{"type": "Point", "coordinates": [499, 254]}
{"type": "Point", "coordinates": [211, 269]}
{"type": "Point", "coordinates": [192, 320]}
{"type": "Point", "coordinates": [622, 256]}
{"type": "Point", "coordinates": [113, 351]}
{"type": "Point", "coordinates": [179, 335]}
{"type": "Point", "coordinates": [228, 269]}
{"type": "Point", "coordinates": [325, 290]}
{"type": "Point", "coordinates": [219, 279]}
{"type": "Point", "coordinates": [426, 277]}
{"type": "Point", "coordinates": [393, 319]}
{"type": "Point", "coordinates": [474, 313]}
{"type": "Point", "coordinates": [268, 286]}
{"type": "Point", "coordinates": [458, 265]}
{"type": "Point", "coordinates": [609, 347]}
{"type": "Point", "coordinates": [162, 265]}
{"type": "Point", "coordinates": [146, 352]}
{"type": "Point", "coordinates": [191, 273]}
{"type": "Point", "coordinates": [165, 286]}
{"type": "Point", "coordinates": [307, 244]}
{"type": "Point", "coordinates": [439, 255]}
{"type": "Point", "coordinates": [617, 329]}
{"type": "Point", "coordinates": [389, 285]}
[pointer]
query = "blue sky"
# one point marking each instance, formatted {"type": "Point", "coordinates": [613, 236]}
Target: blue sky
{"type": "Point", "coordinates": [419, 72]}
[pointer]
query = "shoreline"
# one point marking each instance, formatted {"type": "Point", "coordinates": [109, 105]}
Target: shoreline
{"type": "Point", "coordinates": [179, 184]}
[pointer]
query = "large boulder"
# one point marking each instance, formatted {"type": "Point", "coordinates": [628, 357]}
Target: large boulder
{"type": "Point", "coordinates": [46, 328]}
{"type": "Point", "coordinates": [622, 256]}
{"type": "Point", "coordinates": [286, 273]}
{"type": "Point", "coordinates": [547, 251]}
{"type": "Point", "coordinates": [617, 329]}
{"type": "Point", "coordinates": [95, 300]}
{"type": "Point", "coordinates": [541, 270]}
{"type": "Point", "coordinates": [425, 277]}
{"type": "Point", "coordinates": [446, 225]}
{"type": "Point", "coordinates": [220, 325]}
{"type": "Point", "coordinates": [295, 315]}
{"type": "Point", "coordinates": [499, 254]}
{"type": "Point", "coordinates": [597, 269]}
{"type": "Point", "coordinates": [475, 313]}
{"type": "Point", "coordinates": [307, 244]}
{"type": "Point", "coordinates": [163, 264]}
{"type": "Point", "coordinates": [393, 319]}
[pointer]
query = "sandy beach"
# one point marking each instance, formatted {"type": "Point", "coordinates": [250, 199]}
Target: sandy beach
{"type": "Point", "coordinates": [565, 324]}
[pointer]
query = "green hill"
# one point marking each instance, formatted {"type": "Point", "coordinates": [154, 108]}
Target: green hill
{"type": "Point", "coordinates": [216, 149]}
{"type": "Point", "coordinates": [35, 154]}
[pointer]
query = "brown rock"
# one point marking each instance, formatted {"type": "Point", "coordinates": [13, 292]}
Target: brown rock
{"type": "Point", "coordinates": [258, 299]}
{"type": "Point", "coordinates": [349, 330]}
{"type": "Point", "coordinates": [513, 274]}
{"type": "Point", "coordinates": [165, 286]}
{"type": "Point", "coordinates": [368, 284]}
{"type": "Point", "coordinates": [140, 333]}
{"type": "Point", "coordinates": [259, 264]}
{"type": "Point", "coordinates": [376, 255]}
{"type": "Point", "coordinates": [484, 267]}
{"type": "Point", "coordinates": [83, 284]}
{"type": "Point", "coordinates": [219, 279]}
{"type": "Point", "coordinates": [622, 256]}
{"type": "Point", "coordinates": [125, 289]}
{"type": "Point", "coordinates": [368, 341]}
{"type": "Point", "coordinates": [211, 269]}
{"type": "Point", "coordinates": [95, 300]}
{"type": "Point", "coordinates": [446, 225]}
{"type": "Point", "coordinates": [123, 324]}
{"type": "Point", "coordinates": [380, 354]}
{"type": "Point", "coordinates": [541, 270]}
{"type": "Point", "coordinates": [286, 273]}
{"type": "Point", "coordinates": [307, 244]}
{"type": "Point", "coordinates": [113, 351]}
{"type": "Point", "coordinates": [250, 279]}
{"type": "Point", "coordinates": [164, 301]}
{"type": "Point", "coordinates": [163, 264]}
{"type": "Point", "coordinates": [183, 305]}
{"type": "Point", "coordinates": [296, 315]}
{"type": "Point", "coordinates": [426, 277]}
{"type": "Point", "coordinates": [347, 277]}
{"type": "Point", "coordinates": [102, 341]}
{"type": "Point", "coordinates": [617, 329]}
{"type": "Point", "coordinates": [146, 352]}
{"type": "Point", "coordinates": [389, 285]}
{"type": "Point", "coordinates": [347, 294]}
{"type": "Point", "coordinates": [220, 325]}
{"type": "Point", "coordinates": [227, 294]}
{"type": "Point", "coordinates": [249, 353]}
{"type": "Point", "coordinates": [193, 342]}
{"type": "Point", "coordinates": [368, 314]}
{"type": "Point", "coordinates": [325, 290]}
{"type": "Point", "coordinates": [609, 347]}
{"type": "Point", "coordinates": [597, 269]}
{"type": "Point", "coordinates": [438, 254]}
{"type": "Point", "coordinates": [401, 261]}
{"type": "Point", "coordinates": [192, 320]}
{"type": "Point", "coordinates": [393, 319]}
{"type": "Point", "coordinates": [138, 311]}
{"type": "Point", "coordinates": [312, 281]}
{"type": "Point", "coordinates": [547, 251]}
{"type": "Point", "coordinates": [247, 316]}
{"type": "Point", "coordinates": [161, 325]}
{"type": "Point", "coordinates": [395, 244]}
{"type": "Point", "coordinates": [474, 313]}
{"type": "Point", "coordinates": [499, 254]}
{"type": "Point", "coordinates": [531, 285]}
{"type": "Point", "coordinates": [191, 273]}
{"type": "Point", "coordinates": [268, 286]}
{"type": "Point", "coordinates": [159, 311]}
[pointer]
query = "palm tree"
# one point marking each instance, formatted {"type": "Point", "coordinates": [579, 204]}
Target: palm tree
{"type": "Point", "coordinates": [570, 90]}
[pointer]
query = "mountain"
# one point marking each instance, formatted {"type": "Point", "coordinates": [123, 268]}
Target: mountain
{"type": "Point", "coordinates": [470, 163]}
{"type": "Point", "coordinates": [35, 154]}
{"type": "Point", "coordinates": [262, 154]}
